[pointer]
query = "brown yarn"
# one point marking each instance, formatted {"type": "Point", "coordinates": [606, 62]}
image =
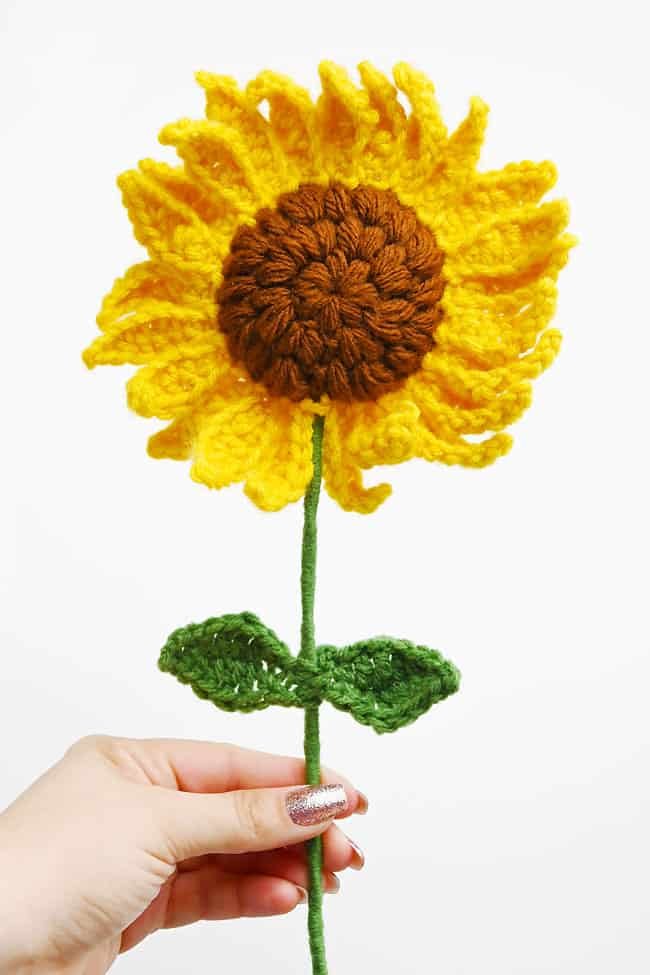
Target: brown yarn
{"type": "Point", "coordinates": [335, 291]}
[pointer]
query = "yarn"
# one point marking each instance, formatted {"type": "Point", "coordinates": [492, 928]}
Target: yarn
{"type": "Point", "coordinates": [306, 674]}
{"type": "Point", "coordinates": [334, 292]}
{"type": "Point", "coordinates": [238, 664]}
{"type": "Point", "coordinates": [240, 358]}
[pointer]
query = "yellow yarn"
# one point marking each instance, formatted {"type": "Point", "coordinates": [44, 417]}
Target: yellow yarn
{"type": "Point", "coordinates": [503, 252]}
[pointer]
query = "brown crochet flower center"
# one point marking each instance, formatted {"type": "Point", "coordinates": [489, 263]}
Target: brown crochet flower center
{"type": "Point", "coordinates": [335, 291]}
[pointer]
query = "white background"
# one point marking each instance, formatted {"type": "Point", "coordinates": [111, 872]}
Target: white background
{"type": "Point", "coordinates": [509, 828]}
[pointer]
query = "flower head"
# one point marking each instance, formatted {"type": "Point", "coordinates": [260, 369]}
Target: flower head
{"type": "Point", "coordinates": [341, 258]}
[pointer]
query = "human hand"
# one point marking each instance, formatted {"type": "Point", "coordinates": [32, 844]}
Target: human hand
{"type": "Point", "coordinates": [123, 837]}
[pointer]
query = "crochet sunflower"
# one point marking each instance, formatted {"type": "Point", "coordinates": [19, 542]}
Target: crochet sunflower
{"type": "Point", "coordinates": [339, 259]}
{"type": "Point", "coordinates": [331, 286]}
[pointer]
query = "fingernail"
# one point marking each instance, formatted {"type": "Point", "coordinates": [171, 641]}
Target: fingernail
{"type": "Point", "coordinates": [332, 884]}
{"type": "Point", "coordinates": [302, 895]}
{"type": "Point", "coordinates": [358, 859]}
{"type": "Point", "coordinates": [362, 804]}
{"type": "Point", "coordinates": [315, 804]}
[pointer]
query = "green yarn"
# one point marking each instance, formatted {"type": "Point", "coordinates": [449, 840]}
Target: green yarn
{"type": "Point", "coordinates": [308, 656]}
{"type": "Point", "coordinates": [239, 664]}
{"type": "Point", "coordinates": [235, 661]}
{"type": "Point", "coordinates": [308, 571]}
{"type": "Point", "coordinates": [384, 682]}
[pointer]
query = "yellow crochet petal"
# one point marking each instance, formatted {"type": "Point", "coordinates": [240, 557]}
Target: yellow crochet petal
{"type": "Point", "coordinates": [460, 452]}
{"type": "Point", "coordinates": [344, 123]}
{"type": "Point", "coordinates": [489, 329]}
{"type": "Point", "coordinates": [384, 431]}
{"type": "Point", "coordinates": [283, 468]}
{"type": "Point", "coordinates": [415, 175]}
{"type": "Point", "coordinates": [383, 155]}
{"type": "Point", "coordinates": [394, 430]}
{"type": "Point", "coordinates": [218, 158]}
{"type": "Point", "coordinates": [479, 387]}
{"type": "Point", "coordinates": [449, 420]}
{"type": "Point", "coordinates": [426, 132]}
{"type": "Point", "coordinates": [514, 185]}
{"type": "Point", "coordinates": [212, 211]}
{"type": "Point", "coordinates": [228, 440]}
{"type": "Point", "coordinates": [150, 313]}
{"type": "Point", "coordinates": [153, 329]}
{"type": "Point", "coordinates": [169, 228]}
{"type": "Point", "coordinates": [446, 170]}
{"type": "Point", "coordinates": [343, 479]}
{"type": "Point", "coordinates": [166, 389]}
{"type": "Point", "coordinates": [291, 119]}
{"type": "Point", "coordinates": [485, 195]}
{"type": "Point", "coordinates": [461, 153]}
{"type": "Point", "coordinates": [228, 104]}
{"type": "Point", "coordinates": [263, 442]}
{"type": "Point", "coordinates": [509, 244]}
{"type": "Point", "coordinates": [382, 95]}
{"type": "Point", "coordinates": [128, 301]}
{"type": "Point", "coordinates": [174, 442]}
{"type": "Point", "coordinates": [149, 279]}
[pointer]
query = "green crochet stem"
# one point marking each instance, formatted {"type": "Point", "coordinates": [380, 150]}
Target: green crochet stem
{"type": "Point", "coordinates": [239, 664]}
{"type": "Point", "coordinates": [312, 736]}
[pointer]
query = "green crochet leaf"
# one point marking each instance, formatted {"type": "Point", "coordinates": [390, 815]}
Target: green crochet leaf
{"type": "Point", "coordinates": [384, 682]}
{"type": "Point", "coordinates": [235, 661]}
{"type": "Point", "coordinates": [239, 664]}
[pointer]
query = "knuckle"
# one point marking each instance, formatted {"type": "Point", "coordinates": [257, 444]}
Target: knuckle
{"type": "Point", "coordinates": [98, 748]}
{"type": "Point", "coordinates": [88, 743]}
{"type": "Point", "coordinates": [251, 813]}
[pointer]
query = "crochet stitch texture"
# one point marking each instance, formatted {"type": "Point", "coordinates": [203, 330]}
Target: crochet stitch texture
{"type": "Point", "coordinates": [207, 363]}
{"type": "Point", "coordinates": [334, 292]}
{"type": "Point", "coordinates": [236, 662]}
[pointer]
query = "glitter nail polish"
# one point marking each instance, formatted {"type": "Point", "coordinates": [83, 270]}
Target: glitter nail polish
{"type": "Point", "coordinates": [315, 804]}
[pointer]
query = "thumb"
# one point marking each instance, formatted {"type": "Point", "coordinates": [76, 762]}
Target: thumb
{"type": "Point", "coordinates": [248, 820]}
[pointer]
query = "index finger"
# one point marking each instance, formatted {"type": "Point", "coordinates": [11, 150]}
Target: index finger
{"type": "Point", "coordinates": [204, 766]}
